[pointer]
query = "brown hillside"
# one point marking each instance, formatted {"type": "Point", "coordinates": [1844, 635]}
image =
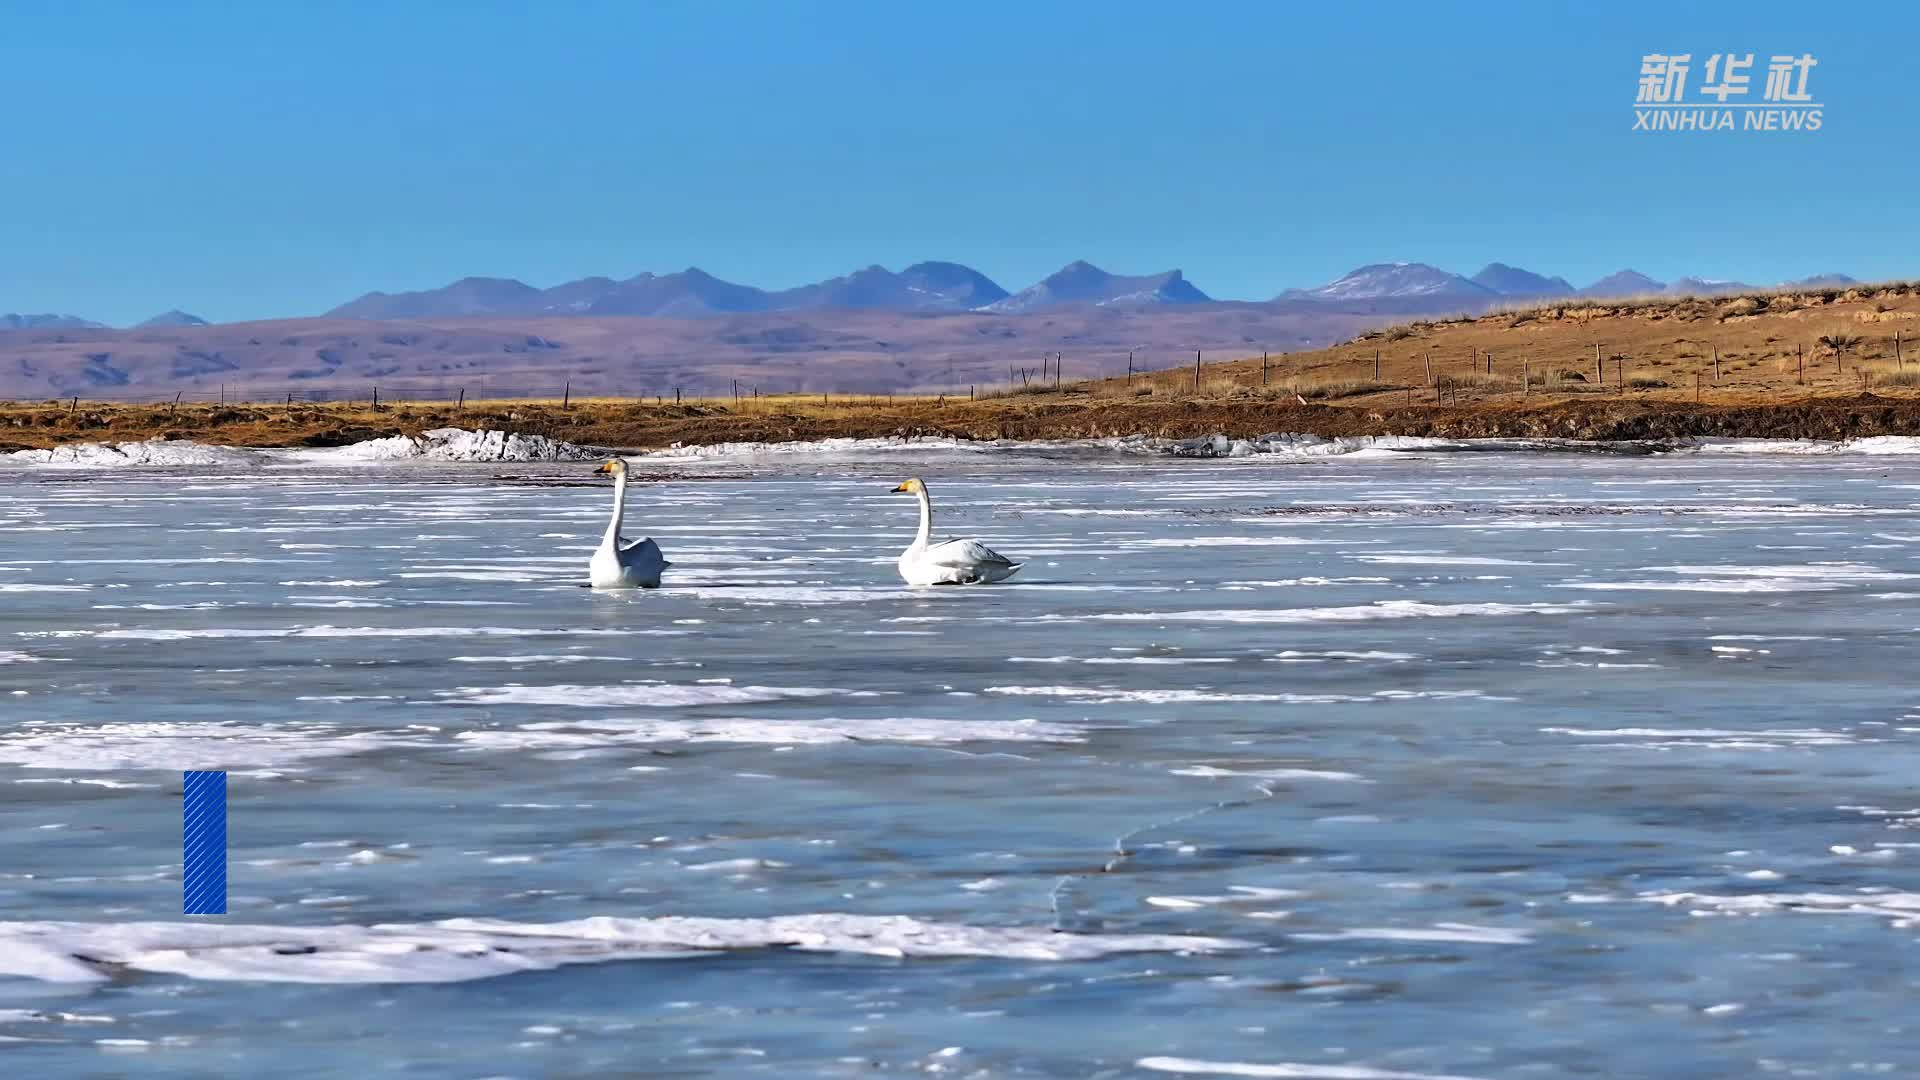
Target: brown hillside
{"type": "Point", "coordinates": [1663, 349]}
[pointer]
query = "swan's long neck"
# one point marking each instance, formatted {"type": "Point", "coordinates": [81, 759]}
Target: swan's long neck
{"type": "Point", "coordinates": [619, 506]}
{"type": "Point", "coordinates": [926, 518]}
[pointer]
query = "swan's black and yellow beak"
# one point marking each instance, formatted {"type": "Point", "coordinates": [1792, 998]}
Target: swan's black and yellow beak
{"type": "Point", "coordinates": [604, 467]}
{"type": "Point", "coordinates": [908, 486]}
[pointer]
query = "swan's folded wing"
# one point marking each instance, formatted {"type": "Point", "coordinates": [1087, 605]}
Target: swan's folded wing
{"type": "Point", "coordinates": [965, 553]}
{"type": "Point", "coordinates": [629, 545]}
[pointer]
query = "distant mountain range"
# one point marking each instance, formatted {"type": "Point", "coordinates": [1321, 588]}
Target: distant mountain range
{"type": "Point", "coordinates": [1498, 281]}
{"type": "Point", "coordinates": [690, 293]}
{"type": "Point", "coordinates": [47, 322]}
{"type": "Point", "coordinates": [947, 287]}
{"type": "Point", "coordinates": [1085, 283]}
{"type": "Point", "coordinates": [950, 287]}
{"type": "Point", "coordinates": [934, 326]}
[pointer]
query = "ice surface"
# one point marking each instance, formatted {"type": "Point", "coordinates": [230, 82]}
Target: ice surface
{"type": "Point", "coordinates": [1383, 715]}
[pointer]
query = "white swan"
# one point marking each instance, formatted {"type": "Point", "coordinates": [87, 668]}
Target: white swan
{"type": "Point", "coordinates": [620, 563]}
{"type": "Point", "coordinates": [950, 562]}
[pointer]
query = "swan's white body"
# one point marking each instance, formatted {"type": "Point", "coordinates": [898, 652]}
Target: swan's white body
{"type": "Point", "coordinates": [950, 562]}
{"type": "Point", "coordinates": [620, 563]}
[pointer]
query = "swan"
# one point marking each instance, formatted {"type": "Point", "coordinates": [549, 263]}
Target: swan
{"type": "Point", "coordinates": [620, 563]}
{"type": "Point", "coordinates": [950, 562]}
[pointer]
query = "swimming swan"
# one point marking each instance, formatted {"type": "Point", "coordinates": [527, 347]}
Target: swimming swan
{"type": "Point", "coordinates": [950, 562]}
{"type": "Point", "coordinates": [620, 563]}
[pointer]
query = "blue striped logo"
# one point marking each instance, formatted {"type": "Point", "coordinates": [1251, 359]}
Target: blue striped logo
{"type": "Point", "coordinates": [203, 844]}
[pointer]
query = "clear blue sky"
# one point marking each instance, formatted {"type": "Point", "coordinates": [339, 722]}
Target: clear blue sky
{"type": "Point", "coordinates": [250, 160]}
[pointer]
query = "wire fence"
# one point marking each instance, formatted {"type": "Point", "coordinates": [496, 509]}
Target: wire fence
{"type": "Point", "coordinates": [1847, 361]}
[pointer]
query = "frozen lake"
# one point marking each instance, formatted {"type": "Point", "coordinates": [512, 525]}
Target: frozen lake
{"type": "Point", "coordinates": [1427, 765]}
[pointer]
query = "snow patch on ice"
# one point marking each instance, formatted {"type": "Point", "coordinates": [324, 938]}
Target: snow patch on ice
{"type": "Point", "coordinates": [453, 950]}
{"type": "Point", "coordinates": [152, 453]}
{"type": "Point", "coordinates": [178, 746]}
{"type": "Point", "coordinates": [550, 735]}
{"type": "Point", "coordinates": [1284, 1070]}
{"type": "Point", "coordinates": [657, 695]}
{"type": "Point", "coordinates": [451, 444]}
{"type": "Point", "coordinates": [1381, 609]}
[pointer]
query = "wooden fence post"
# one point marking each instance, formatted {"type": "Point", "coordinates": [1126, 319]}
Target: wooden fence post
{"type": "Point", "coordinates": [566, 396]}
{"type": "Point", "coordinates": [1429, 367]}
{"type": "Point", "coordinates": [461, 403]}
{"type": "Point", "coordinates": [1526, 377]}
{"type": "Point", "coordinates": [1376, 365]}
{"type": "Point", "coordinates": [1716, 365]}
{"type": "Point", "coordinates": [376, 397]}
{"type": "Point", "coordinates": [1802, 353]}
{"type": "Point", "coordinates": [1899, 360]}
{"type": "Point", "coordinates": [1599, 372]}
{"type": "Point", "coordinates": [1196, 371]}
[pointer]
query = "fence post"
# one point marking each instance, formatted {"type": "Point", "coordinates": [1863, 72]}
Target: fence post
{"type": "Point", "coordinates": [1376, 365]}
{"type": "Point", "coordinates": [1716, 365]}
{"type": "Point", "coordinates": [1802, 353]}
{"type": "Point", "coordinates": [1263, 367]}
{"type": "Point", "coordinates": [1599, 370]}
{"type": "Point", "coordinates": [376, 397]}
{"type": "Point", "coordinates": [676, 395]}
{"type": "Point", "coordinates": [1526, 377]}
{"type": "Point", "coordinates": [457, 405]}
{"type": "Point", "coordinates": [176, 402]}
{"type": "Point", "coordinates": [1196, 371]}
{"type": "Point", "coordinates": [74, 405]}
{"type": "Point", "coordinates": [1430, 367]}
{"type": "Point", "coordinates": [289, 399]}
{"type": "Point", "coordinates": [566, 396]}
{"type": "Point", "coordinates": [1899, 361]}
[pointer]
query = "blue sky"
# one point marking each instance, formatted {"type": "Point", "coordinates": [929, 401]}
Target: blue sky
{"type": "Point", "coordinates": [246, 160]}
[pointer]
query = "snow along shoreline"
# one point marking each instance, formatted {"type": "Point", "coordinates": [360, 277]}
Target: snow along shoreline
{"type": "Point", "coordinates": [488, 446]}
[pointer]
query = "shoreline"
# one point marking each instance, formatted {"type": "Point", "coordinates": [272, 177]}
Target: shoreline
{"type": "Point", "coordinates": [646, 427]}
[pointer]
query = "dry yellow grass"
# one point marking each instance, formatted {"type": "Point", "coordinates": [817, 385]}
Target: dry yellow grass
{"type": "Point", "coordinates": [1848, 340]}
